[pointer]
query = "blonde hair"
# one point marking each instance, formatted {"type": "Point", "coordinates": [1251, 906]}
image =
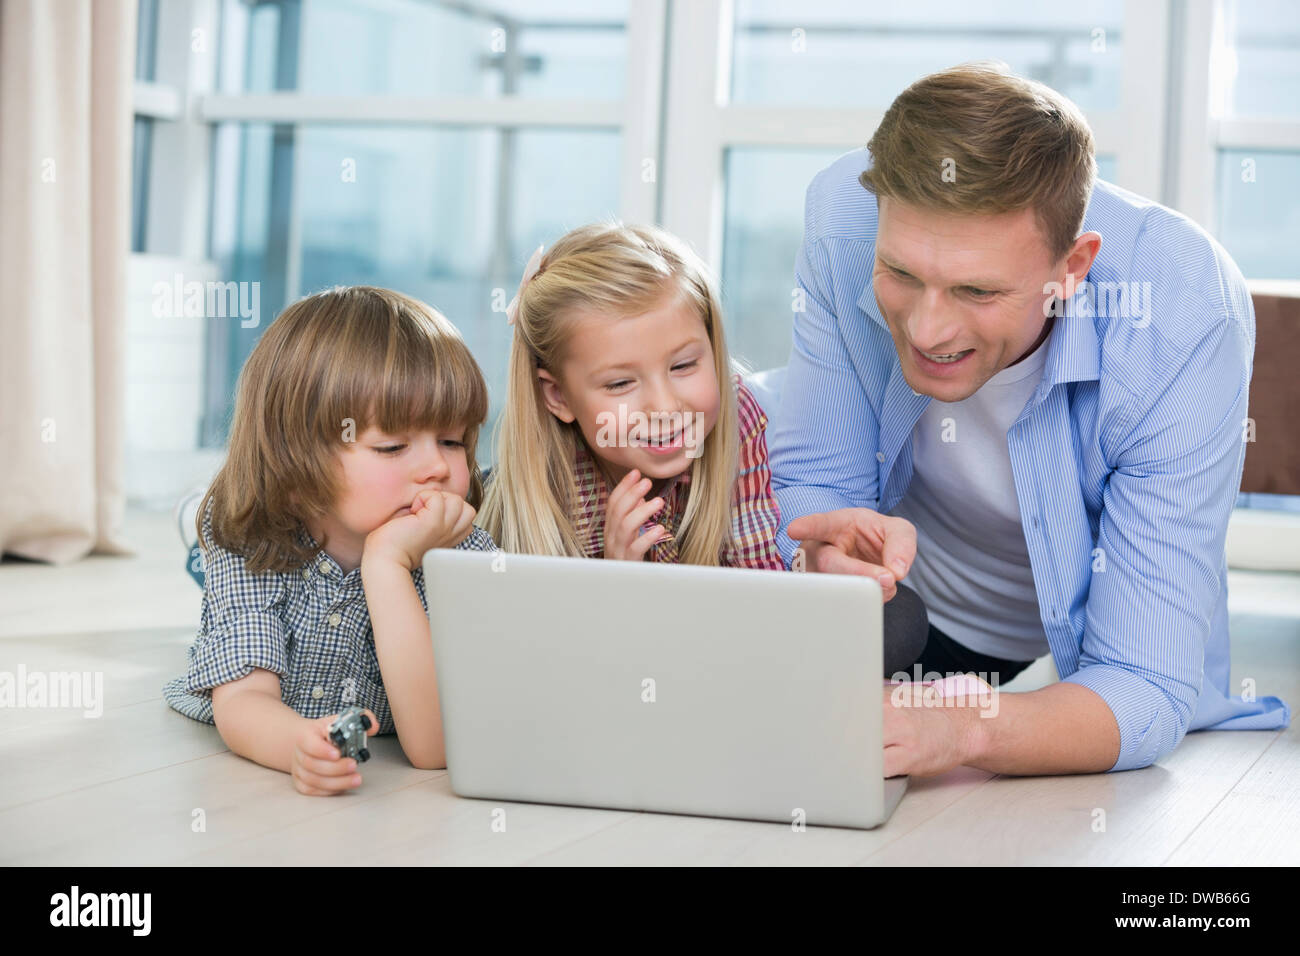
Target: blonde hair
{"type": "Point", "coordinates": [619, 271]}
{"type": "Point", "coordinates": [1009, 143]}
{"type": "Point", "coordinates": [330, 366]}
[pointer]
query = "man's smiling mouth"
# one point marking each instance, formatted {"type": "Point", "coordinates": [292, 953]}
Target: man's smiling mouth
{"type": "Point", "coordinates": [944, 358]}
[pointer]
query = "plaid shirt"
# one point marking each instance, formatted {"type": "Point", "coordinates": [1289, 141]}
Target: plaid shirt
{"type": "Point", "coordinates": [311, 626]}
{"type": "Point", "coordinates": [754, 514]}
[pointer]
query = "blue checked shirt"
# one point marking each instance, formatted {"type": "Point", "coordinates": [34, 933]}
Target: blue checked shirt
{"type": "Point", "coordinates": [311, 626]}
{"type": "Point", "coordinates": [1131, 448]}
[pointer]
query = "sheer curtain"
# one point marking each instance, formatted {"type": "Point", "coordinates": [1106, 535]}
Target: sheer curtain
{"type": "Point", "coordinates": [66, 76]}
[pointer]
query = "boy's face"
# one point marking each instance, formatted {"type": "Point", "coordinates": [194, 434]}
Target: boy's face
{"type": "Point", "coordinates": [382, 473]}
{"type": "Point", "coordinates": [632, 381]}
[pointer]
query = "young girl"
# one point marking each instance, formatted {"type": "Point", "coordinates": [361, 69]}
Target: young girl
{"type": "Point", "coordinates": [625, 432]}
{"type": "Point", "coordinates": [351, 454]}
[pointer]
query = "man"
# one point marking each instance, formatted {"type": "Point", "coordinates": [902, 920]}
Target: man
{"type": "Point", "coordinates": [1024, 390]}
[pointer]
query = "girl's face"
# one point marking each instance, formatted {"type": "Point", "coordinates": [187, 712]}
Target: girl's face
{"type": "Point", "coordinates": [381, 475]}
{"type": "Point", "coordinates": [642, 389]}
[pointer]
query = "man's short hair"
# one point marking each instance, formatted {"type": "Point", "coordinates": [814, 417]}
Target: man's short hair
{"type": "Point", "coordinates": [979, 139]}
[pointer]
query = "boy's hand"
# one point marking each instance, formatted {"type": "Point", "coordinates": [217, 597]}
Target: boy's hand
{"type": "Point", "coordinates": [438, 519]}
{"type": "Point", "coordinates": [317, 768]}
{"type": "Point", "coordinates": [625, 513]}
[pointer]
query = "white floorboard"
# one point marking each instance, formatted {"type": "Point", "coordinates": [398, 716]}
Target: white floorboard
{"type": "Point", "coordinates": [124, 788]}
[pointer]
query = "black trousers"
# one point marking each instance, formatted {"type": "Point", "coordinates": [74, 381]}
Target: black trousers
{"type": "Point", "coordinates": [912, 641]}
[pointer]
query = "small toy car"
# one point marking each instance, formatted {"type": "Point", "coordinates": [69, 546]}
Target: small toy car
{"type": "Point", "coordinates": [348, 733]}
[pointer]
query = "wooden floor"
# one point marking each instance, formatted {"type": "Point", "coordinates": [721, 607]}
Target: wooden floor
{"type": "Point", "coordinates": [132, 786]}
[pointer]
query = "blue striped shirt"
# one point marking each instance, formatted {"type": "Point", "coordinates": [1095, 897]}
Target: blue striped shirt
{"type": "Point", "coordinates": [1130, 449]}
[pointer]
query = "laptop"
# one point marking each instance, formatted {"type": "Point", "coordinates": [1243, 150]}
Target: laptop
{"type": "Point", "coordinates": [672, 688]}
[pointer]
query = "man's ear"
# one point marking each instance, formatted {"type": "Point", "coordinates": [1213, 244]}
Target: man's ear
{"type": "Point", "coordinates": [554, 397]}
{"type": "Point", "coordinates": [1080, 258]}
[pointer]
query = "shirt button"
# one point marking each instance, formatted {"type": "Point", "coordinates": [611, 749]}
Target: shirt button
{"type": "Point", "coordinates": [306, 573]}
{"type": "Point", "coordinates": [317, 692]}
{"type": "Point", "coordinates": [324, 568]}
{"type": "Point", "coordinates": [335, 618]}
{"type": "Point", "coordinates": [880, 457]}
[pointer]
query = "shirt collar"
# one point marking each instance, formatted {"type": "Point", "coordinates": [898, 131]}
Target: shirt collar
{"type": "Point", "coordinates": [321, 570]}
{"type": "Point", "coordinates": [1073, 351]}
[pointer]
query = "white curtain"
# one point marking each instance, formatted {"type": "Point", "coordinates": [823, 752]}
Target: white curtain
{"type": "Point", "coordinates": [66, 76]}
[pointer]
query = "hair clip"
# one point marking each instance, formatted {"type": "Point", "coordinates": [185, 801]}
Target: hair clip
{"type": "Point", "coordinates": [530, 270]}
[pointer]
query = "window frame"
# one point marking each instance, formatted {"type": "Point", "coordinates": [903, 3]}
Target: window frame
{"type": "Point", "coordinates": [675, 120]}
{"type": "Point", "coordinates": [186, 106]}
{"type": "Point", "coordinates": [705, 123]}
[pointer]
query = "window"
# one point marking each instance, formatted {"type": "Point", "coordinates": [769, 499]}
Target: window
{"type": "Point", "coordinates": [1259, 217]}
{"type": "Point", "coordinates": [1255, 103]}
{"type": "Point", "coordinates": [848, 54]}
{"type": "Point", "coordinates": [444, 214]}
{"type": "Point", "coordinates": [419, 144]}
{"type": "Point", "coordinates": [1255, 124]}
{"type": "Point", "coordinates": [1260, 68]}
{"type": "Point", "coordinates": [806, 82]}
{"type": "Point", "coordinates": [763, 228]}
{"type": "Point", "coordinates": [430, 145]}
{"type": "Point", "coordinates": [559, 49]}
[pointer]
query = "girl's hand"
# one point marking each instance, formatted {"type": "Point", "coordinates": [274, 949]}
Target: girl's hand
{"type": "Point", "coordinates": [438, 519]}
{"type": "Point", "coordinates": [317, 768]}
{"type": "Point", "coordinates": [625, 513]}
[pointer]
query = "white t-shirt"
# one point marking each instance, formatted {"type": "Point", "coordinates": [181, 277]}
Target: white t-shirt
{"type": "Point", "coordinates": [972, 566]}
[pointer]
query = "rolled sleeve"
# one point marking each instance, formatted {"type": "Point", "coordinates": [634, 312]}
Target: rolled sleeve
{"type": "Point", "coordinates": [1161, 532]}
{"type": "Point", "coordinates": [1151, 721]}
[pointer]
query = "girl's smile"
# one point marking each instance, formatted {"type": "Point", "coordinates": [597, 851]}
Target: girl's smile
{"type": "Point", "coordinates": [652, 371]}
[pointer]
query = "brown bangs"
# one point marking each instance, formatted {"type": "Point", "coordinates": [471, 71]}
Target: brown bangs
{"type": "Point", "coordinates": [407, 370]}
{"type": "Point", "coordinates": [329, 367]}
